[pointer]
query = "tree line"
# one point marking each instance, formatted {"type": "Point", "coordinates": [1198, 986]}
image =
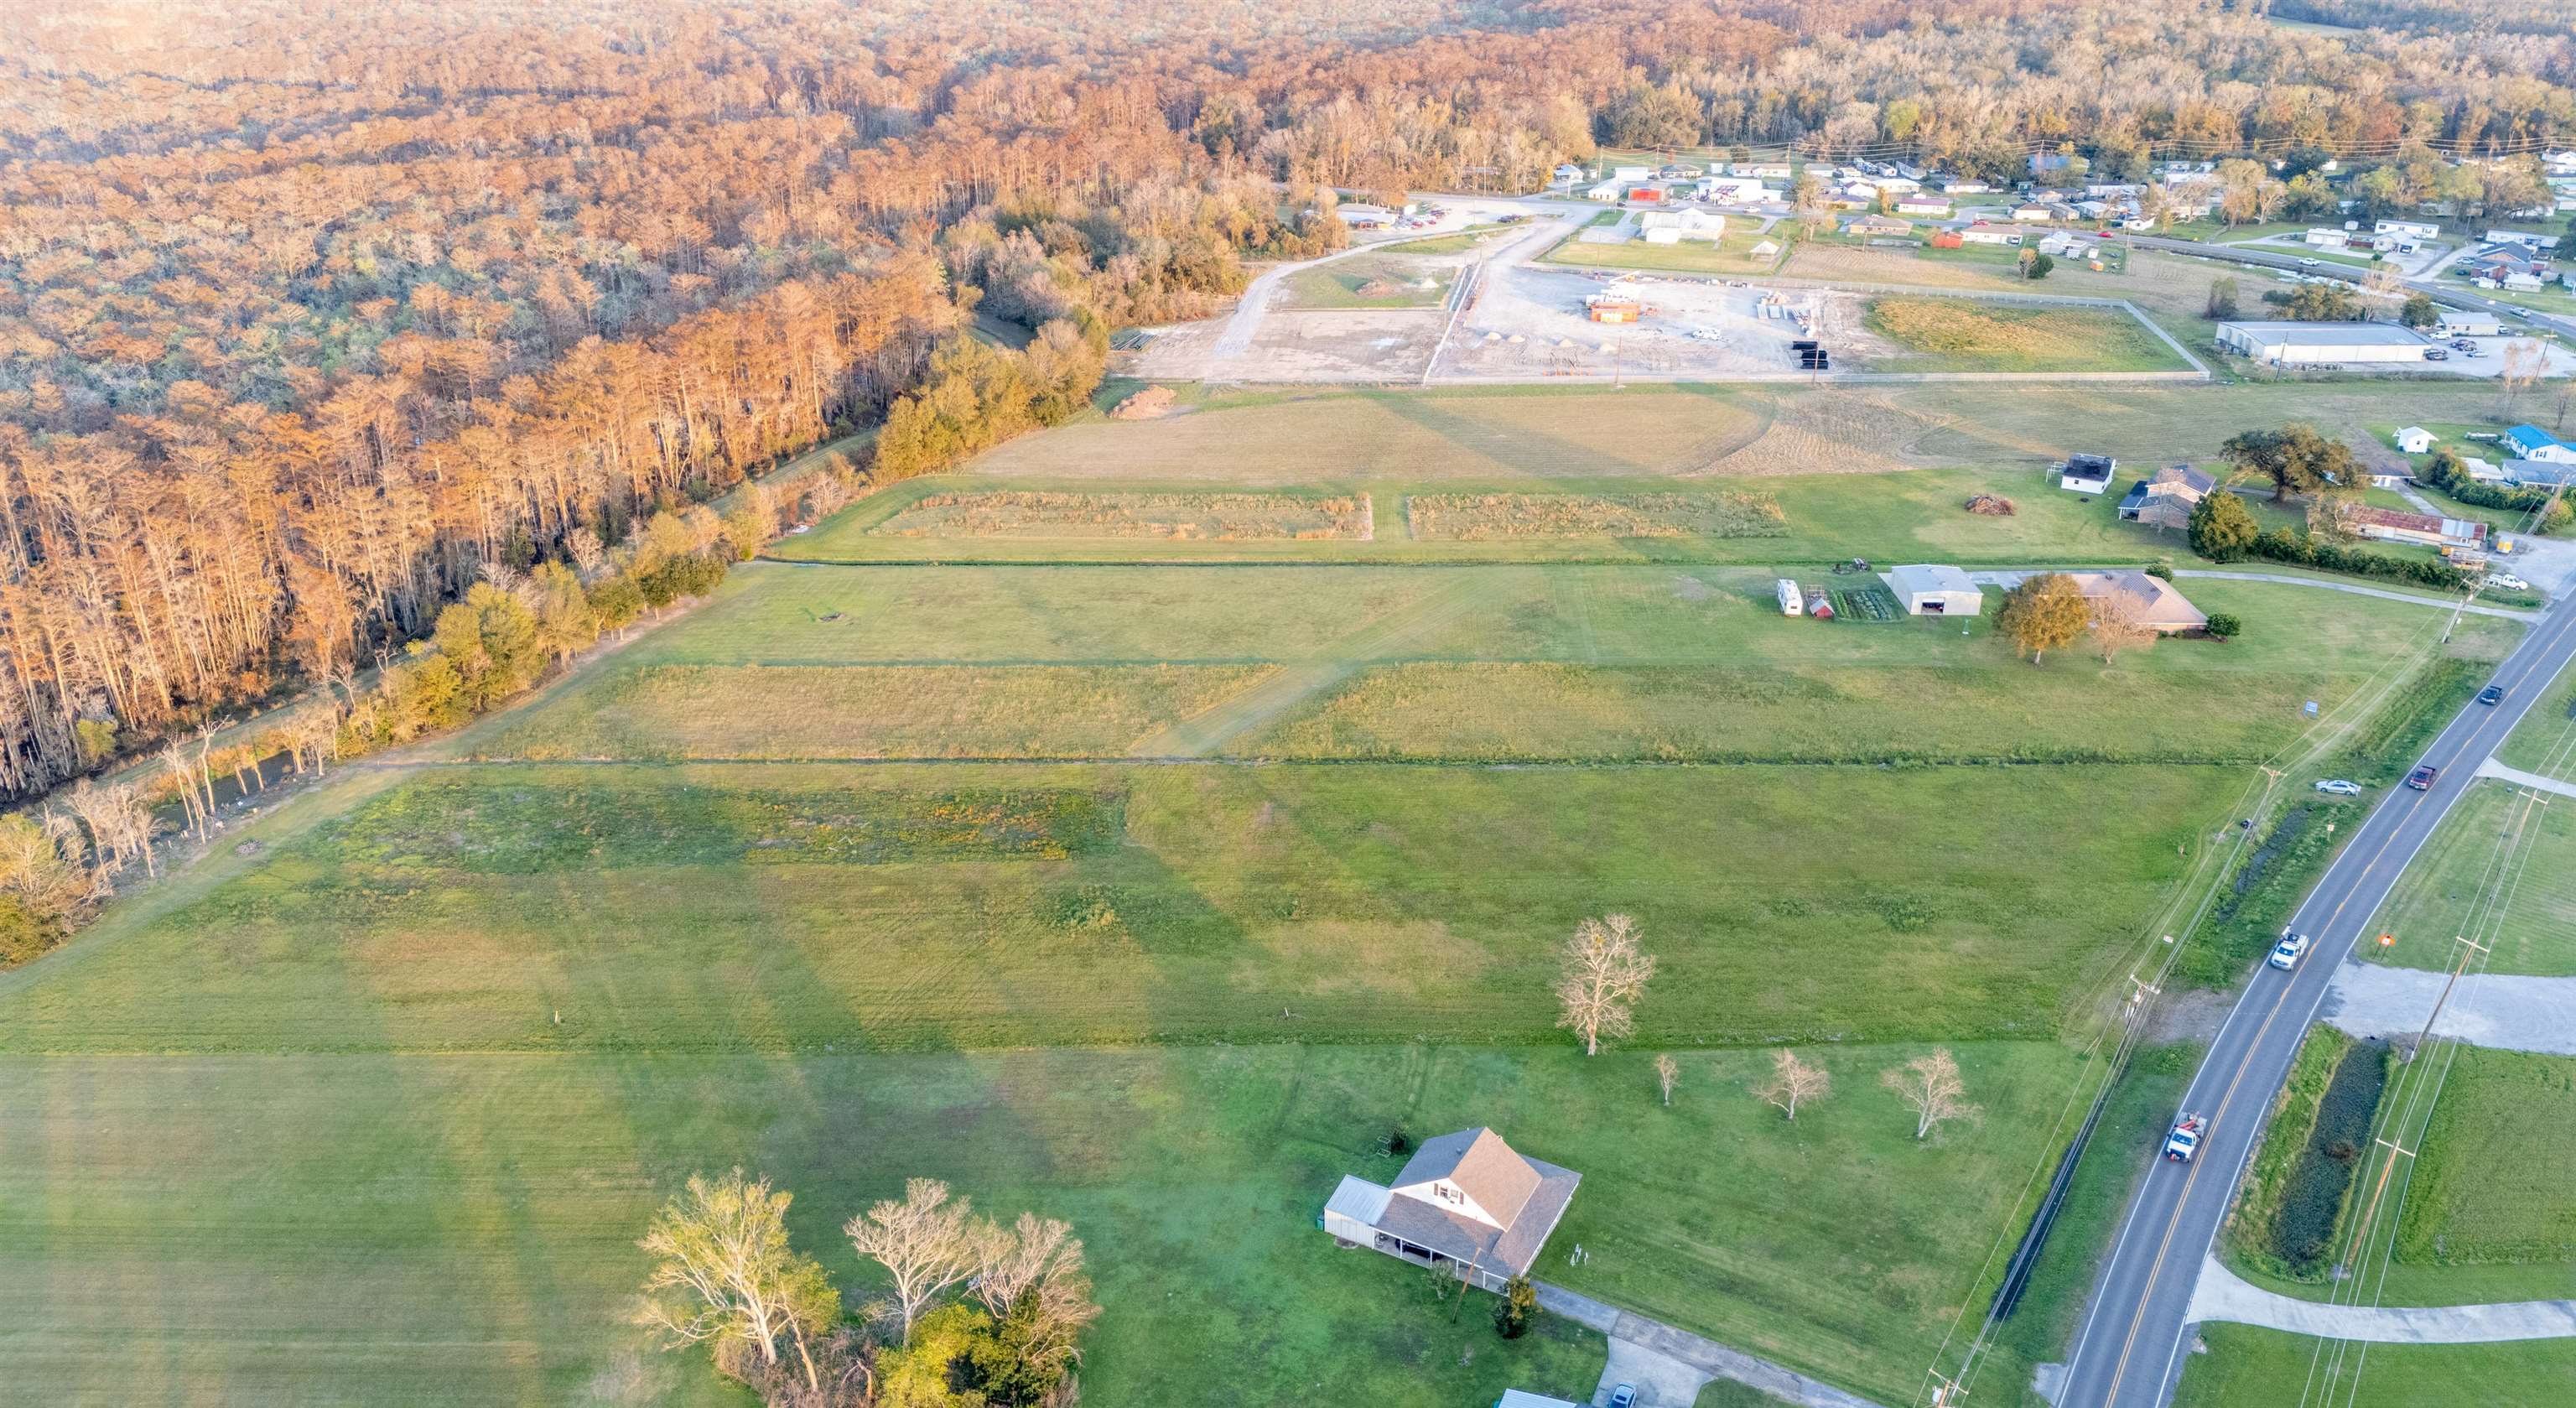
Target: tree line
{"type": "Point", "coordinates": [306, 318]}
{"type": "Point", "coordinates": [976, 1313]}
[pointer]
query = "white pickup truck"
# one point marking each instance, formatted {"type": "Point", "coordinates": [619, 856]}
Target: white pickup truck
{"type": "Point", "coordinates": [2185, 1139]}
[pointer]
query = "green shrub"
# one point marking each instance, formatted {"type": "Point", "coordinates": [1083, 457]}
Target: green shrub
{"type": "Point", "coordinates": [2225, 626]}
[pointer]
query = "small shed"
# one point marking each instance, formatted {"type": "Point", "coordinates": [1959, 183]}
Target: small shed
{"type": "Point", "coordinates": [1927, 589]}
{"type": "Point", "coordinates": [2415, 440]}
{"type": "Point", "coordinates": [1791, 602]}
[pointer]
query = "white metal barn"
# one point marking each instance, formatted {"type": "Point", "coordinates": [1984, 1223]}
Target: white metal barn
{"type": "Point", "coordinates": [2303, 344]}
{"type": "Point", "coordinates": [1929, 590]}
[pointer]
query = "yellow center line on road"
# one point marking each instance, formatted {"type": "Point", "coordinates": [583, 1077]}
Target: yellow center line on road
{"type": "Point", "coordinates": [2155, 1269]}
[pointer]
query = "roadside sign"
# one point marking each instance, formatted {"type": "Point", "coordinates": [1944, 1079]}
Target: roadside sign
{"type": "Point", "coordinates": [2387, 940]}
{"type": "Point", "coordinates": [2311, 710]}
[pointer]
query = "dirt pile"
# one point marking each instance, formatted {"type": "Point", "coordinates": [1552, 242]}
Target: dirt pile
{"type": "Point", "coordinates": [1152, 403]}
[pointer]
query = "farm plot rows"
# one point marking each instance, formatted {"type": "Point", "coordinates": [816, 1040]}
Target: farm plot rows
{"type": "Point", "coordinates": [1477, 517]}
{"type": "Point", "coordinates": [1020, 513]}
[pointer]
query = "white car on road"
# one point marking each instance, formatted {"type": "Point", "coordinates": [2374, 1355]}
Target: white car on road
{"type": "Point", "coordinates": [2287, 953]}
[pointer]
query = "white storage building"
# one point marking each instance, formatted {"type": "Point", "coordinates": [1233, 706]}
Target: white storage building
{"type": "Point", "coordinates": [1930, 590]}
{"type": "Point", "coordinates": [2307, 344]}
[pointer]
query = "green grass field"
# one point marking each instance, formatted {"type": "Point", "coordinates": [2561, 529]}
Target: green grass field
{"type": "Point", "coordinates": [783, 908]}
{"type": "Point", "coordinates": [2491, 1188]}
{"type": "Point", "coordinates": [1492, 663]}
{"type": "Point", "coordinates": [1730, 253]}
{"type": "Point", "coordinates": [2248, 1367]}
{"type": "Point", "coordinates": [372, 1102]}
{"type": "Point", "coordinates": [1959, 335]}
{"type": "Point", "coordinates": [1369, 281]}
{"type": "Point", "coordinates": [2447, 890]}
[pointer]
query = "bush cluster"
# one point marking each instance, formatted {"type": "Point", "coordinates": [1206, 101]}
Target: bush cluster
{"type": "Point", "coordinates": [2446, 473]}
{"type": "Point", "coordinates": [2303, 1226]}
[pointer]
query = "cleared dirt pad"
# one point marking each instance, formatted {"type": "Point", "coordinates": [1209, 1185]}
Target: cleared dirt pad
{"type": "Point", "coordinates": [1218, 517]}
{"type": "Point", "coordinates": [1476, 517]}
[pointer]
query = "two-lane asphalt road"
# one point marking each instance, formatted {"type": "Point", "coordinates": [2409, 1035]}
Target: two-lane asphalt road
{"type": "Point", "coordinates": [2446, 295]}
{"type": "Point", "coordinates": [2128, 1354]}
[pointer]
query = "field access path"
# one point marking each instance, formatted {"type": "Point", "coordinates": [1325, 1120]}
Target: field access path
{"type": "Point", "coordinates": [2129, 1351]}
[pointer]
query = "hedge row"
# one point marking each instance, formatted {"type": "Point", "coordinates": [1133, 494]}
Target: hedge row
{"type": "Point", "coordinates": [2282, 545]}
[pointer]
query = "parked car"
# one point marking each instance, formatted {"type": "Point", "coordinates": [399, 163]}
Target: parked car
{"type": "Point", "coordinates": [2287, 953]}
{"type": "Point", "coordinates": [2421, 779]}
{"type": "Point", "coordinates": [2437, 354]}
{"type": "Point", "coordinates": [2184, 1140]}
{"type": "Point", "coordinates": [2463, 344]}
{"type": "Point", "coordinates": [2509, 582]}
{"type": "Point", "coordinates": [2491, 695]}
{"type": "Point", "coordinates": [2310, 263]}
{"type": "Point", "coordinates": [1624, 1396]}
{"type": "Point", "coordinates": [2339, 787]}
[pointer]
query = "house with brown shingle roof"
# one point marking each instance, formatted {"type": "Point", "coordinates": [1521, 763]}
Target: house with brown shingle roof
{"type": "Point", "coordinates": [1467, 1203]}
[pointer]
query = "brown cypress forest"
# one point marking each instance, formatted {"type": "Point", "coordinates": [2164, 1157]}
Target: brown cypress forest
{"type": "Point", "coordinates": [313, 318]}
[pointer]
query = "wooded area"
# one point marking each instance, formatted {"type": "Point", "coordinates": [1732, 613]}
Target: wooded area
{"type": "Point", "coordinates": [305, 318]}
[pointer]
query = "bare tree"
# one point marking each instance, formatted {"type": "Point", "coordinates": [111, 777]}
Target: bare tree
{"type": "Point", "coordinates": [925, 1242]}
{"type": "Point", "coordinates": [1036, 1258]}
{"type": "Point", "coordinates": [727, 1275]}
{"type": "Point", "coordinates": [1793, 1082]}
{"type": "Point", "coordinates": [1604, 976]}
{"type": "Point", "coordinates": [1930, 1086]}
{"type": "Point", "coordinates": [2120, 623]}
{"type": "Point", "coordinates": [1668, 1073]}
{"type": "Point", "coordinates": [2523, 363]}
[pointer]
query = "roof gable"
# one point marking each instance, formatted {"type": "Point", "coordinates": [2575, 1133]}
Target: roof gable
{"type": "Point", "coordinates": [1471, 1173]}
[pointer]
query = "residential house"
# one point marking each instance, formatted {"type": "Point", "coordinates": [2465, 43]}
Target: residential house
{"type": "Point", "coordinates": [1896, 185]}
{"type": "Point", "coordinates": [1569, 173]}
{"type": "Point", "coordinates": [2328, 239]}
{"type": "Point", "coordinates": [1632, 173]}
{"type": "Point", "coordinates": [2522, 237]}
{"type": "Point", "coordinates": [2458, 324]}
{"type": "Point", "coordinates": [2483, 471]}
{"type": "Point", "coordinates": [1760, 170]}
{"type": "Point", "coordinates": [1466, 1203]}
{"type": "Point", "coordinates": [2415, 440]}
{"type": "Point", "coordinates": [2425, 529]}
{"type": "Point", "coordinates": [2166, 500]}
{"type": "Point", "coordinates": [2416, 229]}
{"type": "Point", "coordinates": [1515, 1398]}
{"type": "Point", "coordinates": [2530, 442]}
{"type": "Point", "coordinates": [2087, 474]}
{"type": "Point", "coordinates": [1965, 186]}
{"type": "Point", "coordinates": [2033, 212]}
{"type": "Point", "coordinates": [1606, 191]}
{"type": "Point", "coordinates": [1934, 207]}
{"type": "Point", "coordinates": [1865, 226]}
{"type": "Point", "coordinates": [1988, 232]}
{"type": "Point", "coordinates": [2539, 474]}
{"type": "Point", "coordinates": [2157, 603]}
{"type": "Point", "coordinates": [2522, 282]}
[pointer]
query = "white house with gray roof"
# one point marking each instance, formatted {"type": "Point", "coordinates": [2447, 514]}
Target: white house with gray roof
{"type": "Point", "coordinates": [1465, 1202]}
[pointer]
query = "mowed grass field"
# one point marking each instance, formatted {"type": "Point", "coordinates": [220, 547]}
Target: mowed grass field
{"type": "Point", "coordinates": [790, 908]}
{"type": "Point", "coordinates": [372, 1103]}
{"type": "Point", "coordinates": [2446, 892]}
{"type": "Point", "coordinates": [1945, 334]}
{"type": "Point", "coordinates": [1520, 437]}
{"type": "Point", "coordinates": [1486, 663]}
{"type": "Point", "coordinates": [2249, 1367]}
